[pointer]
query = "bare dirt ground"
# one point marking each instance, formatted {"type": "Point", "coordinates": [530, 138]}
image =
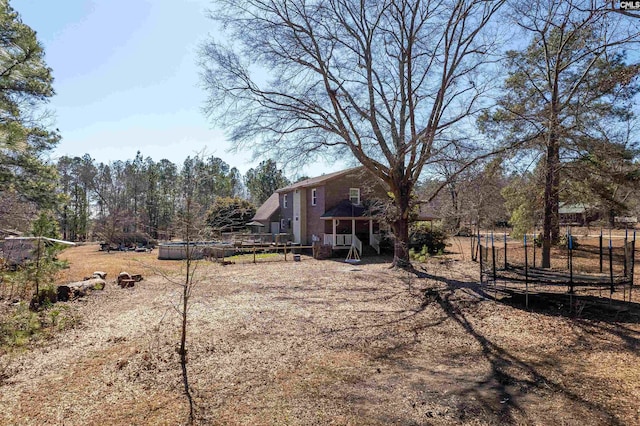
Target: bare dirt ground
{"type": "Point", "coordinates": [325, 342]}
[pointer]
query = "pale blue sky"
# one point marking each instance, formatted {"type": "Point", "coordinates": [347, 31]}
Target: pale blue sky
{"type": "Point", "coordinates": [126, 78]}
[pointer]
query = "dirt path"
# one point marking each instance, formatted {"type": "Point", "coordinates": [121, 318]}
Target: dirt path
{"type": "Point", "coordinates": [324, 342]}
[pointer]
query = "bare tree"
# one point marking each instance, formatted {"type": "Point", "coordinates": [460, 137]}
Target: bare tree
{"type": "Point", "coordinates": [190, 224]}
{"type": "Point", "coordinates": [391, 82]}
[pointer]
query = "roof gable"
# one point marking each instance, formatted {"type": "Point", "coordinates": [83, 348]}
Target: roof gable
{"type": "Point", "coordinates": [267, 209]}
{"type": "Point", "coordinates": [319, 180]}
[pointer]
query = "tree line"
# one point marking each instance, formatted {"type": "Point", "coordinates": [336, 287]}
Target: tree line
{"type": "Point", "coordinates": [141, 195]}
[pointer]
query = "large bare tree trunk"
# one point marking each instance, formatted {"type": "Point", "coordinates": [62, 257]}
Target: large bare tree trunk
{"type": "Point", "coordinates": [551, 222]}
{"type": "Point", "coordinates": [400, 226]}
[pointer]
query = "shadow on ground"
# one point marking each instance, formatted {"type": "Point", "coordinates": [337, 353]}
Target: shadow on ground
{"type": "Point", "coordinates": [512, 378]}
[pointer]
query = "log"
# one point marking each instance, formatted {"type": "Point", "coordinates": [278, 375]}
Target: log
{"type": "Point", "coordinates": [97, 274]}
{"type": "Point", "coordinates": [78, 289]}
{"type": "Point", "coordinates": [100, 274]}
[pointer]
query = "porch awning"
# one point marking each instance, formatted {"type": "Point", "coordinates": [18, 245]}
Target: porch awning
{"type": "Point", "coordinates": [344, 209]}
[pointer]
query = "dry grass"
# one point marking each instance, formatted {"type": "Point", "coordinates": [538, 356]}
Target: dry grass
{"type": "Point", "coordinates": [87, 259]}
{"type": "Point", "coordinates": [324, 342]}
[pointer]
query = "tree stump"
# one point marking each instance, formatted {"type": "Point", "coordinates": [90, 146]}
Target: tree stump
{"type": "Point", "coordinates": [126, 279]}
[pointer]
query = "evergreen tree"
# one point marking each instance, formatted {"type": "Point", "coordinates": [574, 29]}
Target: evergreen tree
{"type": "Point", "coordinates": [230, 214]}
{"type": "Point", "coordinates": [263, 181]}
{"type": "Point", "coordinates": [25, 85]}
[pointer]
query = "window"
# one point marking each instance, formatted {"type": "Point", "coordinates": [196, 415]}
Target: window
{"type": "Point", "coordinates": [284, 201]}
{"type": "Point", "coordinates": [314, 196]}
{"type": "Point", "coordinates": [354, 195]}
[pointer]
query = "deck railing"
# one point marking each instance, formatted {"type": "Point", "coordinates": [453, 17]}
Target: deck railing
{"type": "Point", "coordinates": [347, 240]}
{"type": "Point", "coordinates": [375, 242]}
{"type": "Point", "coordinates": [357, 244]}
{"type": "Point", "coordinates": [342, 240]}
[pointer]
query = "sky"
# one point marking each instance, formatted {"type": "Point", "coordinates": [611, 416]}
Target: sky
{"type": "Point", "coordinates": [127, 80]}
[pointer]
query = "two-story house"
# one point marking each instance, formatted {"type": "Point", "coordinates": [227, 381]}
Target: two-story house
{"type": "Point", "coordinates": [335, 209]}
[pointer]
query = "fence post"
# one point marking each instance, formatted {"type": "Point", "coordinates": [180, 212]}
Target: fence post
{"type": "Point", "coordinates": [633, 263]}
{"type": "Point", "coordinates": [570, 245]}
{"type": "Point", "coordinates": [505, 250]}
{"type": "Point", "coordinates": [471, 242]}
{"type": "Point", "coordinates": [474, 257]}
{"type": "Point", "coordinates": [600, 250]}
{"type": "Point", "coordinates": [568, 249]}
{"type": "Point", "coordinates": [493, 260]}
{"type": "Point", "coordinates": [526, 274]}
{"type": "Point", "coordinates": [480, 257]}
{"type": "Point", "coordinates": [625, 252]}
{"type": "Point", "coordinates": [535, 239]}
{"type": "Point", "coordinates": [611, 264]}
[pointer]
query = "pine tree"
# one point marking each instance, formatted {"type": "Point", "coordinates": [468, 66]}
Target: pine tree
{"type": "Point", "coordinates": [25, 85]}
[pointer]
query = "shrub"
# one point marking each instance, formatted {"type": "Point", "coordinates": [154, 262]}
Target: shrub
{"type": "Point", "coordinates": [386, 244]}
{"type": "Point", "coordinates": [21, 326]}
{"type": "Point", "coordinates": [431, 241]}
{"type": "Point", "coordinates": [419, 256]}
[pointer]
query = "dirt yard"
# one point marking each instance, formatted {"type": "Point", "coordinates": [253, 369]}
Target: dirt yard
{"type": "Point", "coordinates": [326, 342]}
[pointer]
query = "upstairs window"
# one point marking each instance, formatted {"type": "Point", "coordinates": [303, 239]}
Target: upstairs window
{"type": "Point", "coordinates": [354, 196]}
{"type": "Point", "coordinates": [284, 201]}
{"type": "Point", "coordinates": [314, 196]}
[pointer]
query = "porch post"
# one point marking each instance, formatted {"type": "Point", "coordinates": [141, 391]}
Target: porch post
{"type": "Point", "coordinates": [370, 231]}
{"type": "Point", "coordinates": [334, 232]}
{"type": "Point", "coordinates": [353, 230]}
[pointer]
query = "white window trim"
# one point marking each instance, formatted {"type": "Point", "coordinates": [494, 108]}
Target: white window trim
{"type": "Point", "coordinates": [314, 196]}
{"type": "Point", "coordinates": [284, 201]}
{"type": "Point", "coordinates": [350, 198]}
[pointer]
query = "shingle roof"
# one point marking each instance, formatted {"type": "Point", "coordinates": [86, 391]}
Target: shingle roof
{"type": "Point", "coordinates": [428, 211]}
{"type": "Point", "coordinates": [267, 209]}
{"type": "Point", "coordinates": [345, 209]}
{"type": "Point", "coordinates": [566, 208]}
{"type": "Point", "coordinates": [319, 180]}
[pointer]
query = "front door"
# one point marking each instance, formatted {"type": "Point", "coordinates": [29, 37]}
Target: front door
{"type": "Point", "coordinates": [299, 216]}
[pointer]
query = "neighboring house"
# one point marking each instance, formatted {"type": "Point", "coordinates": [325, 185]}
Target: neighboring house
{"type": "Point", "coordinates": [334, 209]}
{"type": "Point", "coordinates": [576, 214]}
{"type": "Point", "coordinates": [428, 211]}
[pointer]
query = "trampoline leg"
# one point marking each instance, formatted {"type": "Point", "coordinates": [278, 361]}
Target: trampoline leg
{"type": "Point", "coordinates": [570, 302]}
